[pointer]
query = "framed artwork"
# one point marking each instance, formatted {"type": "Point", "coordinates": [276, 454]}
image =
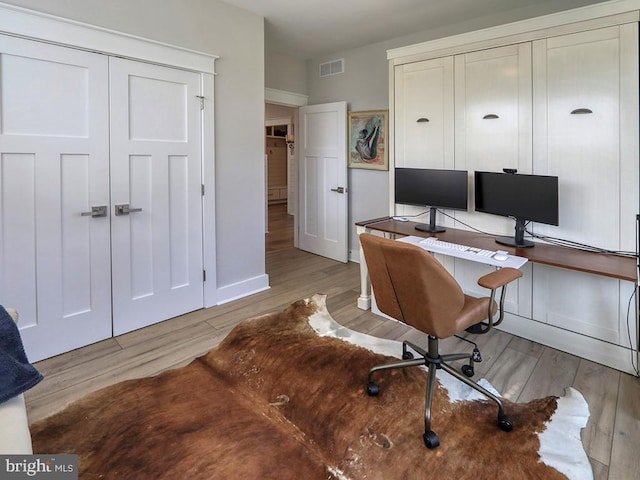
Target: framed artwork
{"type": "Point", "coordinates": [368, 140]}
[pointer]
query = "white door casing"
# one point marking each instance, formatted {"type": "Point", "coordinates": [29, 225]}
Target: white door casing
{"type": "Point", "coordinates": [322, 180]}
{"type": "Point", "coordinates": [156, 167]}
{"type": "Point", "coordinates": [54, 167]}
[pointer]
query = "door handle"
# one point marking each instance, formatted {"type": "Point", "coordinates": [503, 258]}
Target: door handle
{"type": "Point", "coordinates": [125, 209]}
{"type": "Point", "coordinates": [338, 189]}
{"type": "Point", "coordinates": [96, 211]}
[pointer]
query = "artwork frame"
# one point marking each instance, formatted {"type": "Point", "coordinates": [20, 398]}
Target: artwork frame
{"type": "Point", "coordinates": [368, 140]}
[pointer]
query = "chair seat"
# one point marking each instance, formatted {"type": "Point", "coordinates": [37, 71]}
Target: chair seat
{"type": "Point", "coordinates": [475, 310]}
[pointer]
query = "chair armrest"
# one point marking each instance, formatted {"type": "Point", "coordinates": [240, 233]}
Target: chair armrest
{"type": "Point", "coordinates": [499, 278]}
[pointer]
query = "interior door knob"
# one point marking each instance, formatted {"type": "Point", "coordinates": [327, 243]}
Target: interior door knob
{"type": "Point", "coordinates": [96, 211]}
{"type": "Point", "coordinates": [338, 189]}
{"type": "Point", "coordinates": [125, 209]}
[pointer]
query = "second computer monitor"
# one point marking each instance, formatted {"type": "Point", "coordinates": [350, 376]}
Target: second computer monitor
{"type": "Point", "coordinates": [434, 188]}
{"type": "Point", "coordinates": [523, 197]}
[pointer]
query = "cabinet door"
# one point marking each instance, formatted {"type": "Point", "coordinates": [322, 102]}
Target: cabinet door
{"type": "Point", "coordinates": [586, 117]}
{"type": "Point", "coordinates": [493, 131]}
{"type": "Point", "coordinates": [423, 116]}
{"type": "Point", "coordinates": [493, 119]}
{"type": "Point", "coordinates": [423, 110]}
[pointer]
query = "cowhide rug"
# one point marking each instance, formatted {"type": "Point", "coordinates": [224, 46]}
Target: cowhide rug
{"type": "Point", "coordinates": [282, 398]}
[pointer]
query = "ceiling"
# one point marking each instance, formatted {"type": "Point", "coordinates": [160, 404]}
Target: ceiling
{"type": "Point", "coordinates": [313, 28]}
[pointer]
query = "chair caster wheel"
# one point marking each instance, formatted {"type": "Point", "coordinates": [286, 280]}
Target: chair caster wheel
{"type": "Point", "coordinates": [468, 370]}
{"type": "Point", "coordinates": [505, 423]}
{"type": "Point", "coordinates": [373, 389]}
{"type": "Point", "coordinates": [407, 355]}
{"type": "Point", "coordinates": [431, 440]}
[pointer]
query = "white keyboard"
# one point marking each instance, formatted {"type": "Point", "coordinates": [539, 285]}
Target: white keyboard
{"type": "Point", "coordinates": [438, 246]}
{"type": "Point", "coordinates": [497, 258]}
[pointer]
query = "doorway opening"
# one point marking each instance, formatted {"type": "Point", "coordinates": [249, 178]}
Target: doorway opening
{"type": "Point", "coordinates": [280, 176]}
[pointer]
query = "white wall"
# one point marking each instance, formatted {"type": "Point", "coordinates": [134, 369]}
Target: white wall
{"type": "Point", "coordinates": [237, 36]}
{"type": "Point", "coordinates": [285, 72]}
{"type": "Point", "coordinates": [365, 86]}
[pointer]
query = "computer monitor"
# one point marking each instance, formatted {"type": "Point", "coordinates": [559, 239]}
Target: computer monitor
{"type": "Point", "coordinates": [433, 188]}
{"type": "Point", "coordinates": [526, 198]}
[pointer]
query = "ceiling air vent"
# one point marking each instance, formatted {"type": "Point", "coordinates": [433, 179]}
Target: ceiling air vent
{"type": "Point", "coordinates": [332, 68]}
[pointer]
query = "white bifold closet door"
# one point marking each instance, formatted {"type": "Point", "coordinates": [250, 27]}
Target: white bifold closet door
{"type": "Point", "coordinates": [100, 194]}
{"type": "Point", "coordinates": [54, 167]}
{"type": "Point", "coordinates": [156, 192]}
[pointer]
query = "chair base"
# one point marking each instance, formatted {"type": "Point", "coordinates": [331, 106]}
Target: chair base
{"type": "Point", "coordinates": [434, 361]}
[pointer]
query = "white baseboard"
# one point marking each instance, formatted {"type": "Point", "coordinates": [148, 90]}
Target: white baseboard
{"type": "Point", "coordinates": [242, 289]}
{"type": "Point", "coordinates": [595, 350]}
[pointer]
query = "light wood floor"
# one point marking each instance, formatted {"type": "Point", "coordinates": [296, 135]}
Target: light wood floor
{"type": "Point", "coordinates": [520, 369]}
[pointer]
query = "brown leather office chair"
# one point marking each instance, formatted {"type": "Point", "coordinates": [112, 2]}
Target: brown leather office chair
{"type": "Point", "coordinates": [411, 286]}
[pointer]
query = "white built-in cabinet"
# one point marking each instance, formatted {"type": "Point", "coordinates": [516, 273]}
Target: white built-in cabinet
{"type": "Point", "coordinates": [557, 101]}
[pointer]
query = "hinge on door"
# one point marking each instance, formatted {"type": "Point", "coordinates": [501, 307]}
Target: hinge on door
{"type": "Point", "coordinates": [201, 101]}
{"type": "Point", "coordinates": [202, 189]}
{"type": "Point", "coordinates": [204, 275]}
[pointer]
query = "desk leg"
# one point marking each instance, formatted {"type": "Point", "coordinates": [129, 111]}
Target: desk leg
{"type": "Point", "coordinates": [364, 300]}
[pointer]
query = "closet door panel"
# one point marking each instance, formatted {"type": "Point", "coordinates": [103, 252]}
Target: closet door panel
{"type": "Point", "coordinates": [587, 118]}
{"type": "Point", "coordinates": [54, 167]}
{"type": "Point", "coordinates": [581, 99]}
{"type": "Point", "coordinates": [493, 131]}
{"type": "Point", "coordinates": [493, 119]}
{"type": "Point", "coordinates": [156, 171]}
{"type": "Point", "coordinates": [423, 115]}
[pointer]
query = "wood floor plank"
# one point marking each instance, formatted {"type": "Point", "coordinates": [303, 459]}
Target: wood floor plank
{"type": "Point", "coordinates": [527, 347]}
{"type": "Point", "coordinates": [389, 329]}
{"type": "Point", "coordinates": [163, 329]}
{"type": "Point", "coordinates": [600, 471]}
{"type": "Point", "coordinates": [359, 320]}
{"type": "Point", "coordinates": [77, 357]}
{"type": "Point", "coordinates": [555, 372]}
{"type": "Point", "coordinates": [599, 386]}
{"type": "Point", "coordinates": [141, 360]}
{"type": "Point", "coordinates": [491, 346]}
{"type": "Point", "coordinates": [625, 461]}
{"type": "Point", "coordinates": [511, 372]}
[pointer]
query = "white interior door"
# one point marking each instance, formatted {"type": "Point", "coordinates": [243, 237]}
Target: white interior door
{"type": "Point", "coordinates": [54, 167]}
{"type": "Point", "coordinates": [322, 174]}
{"type": "Point", "coordinates": [156, 180]}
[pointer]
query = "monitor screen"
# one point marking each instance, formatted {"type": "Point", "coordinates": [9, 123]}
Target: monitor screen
{"type": "Point", "coordinates": [526, 197]}
{"type": "Point", "coordinates": [428, 187]}
{"type": "Point", "coordinates": [431, 187]}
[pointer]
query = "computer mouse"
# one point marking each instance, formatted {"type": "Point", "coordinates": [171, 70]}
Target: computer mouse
{"type": "Point", "coordinates": [501, 256]}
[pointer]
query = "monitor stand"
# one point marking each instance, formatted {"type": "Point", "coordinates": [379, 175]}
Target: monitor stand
{"type": "Point", "coordinates": [431, 227]}
{"type": "Point", "coordinates": [518, 241]}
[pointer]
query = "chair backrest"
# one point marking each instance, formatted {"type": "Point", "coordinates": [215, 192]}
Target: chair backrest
{"type": "Point", "coordinates": [410, 285]}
